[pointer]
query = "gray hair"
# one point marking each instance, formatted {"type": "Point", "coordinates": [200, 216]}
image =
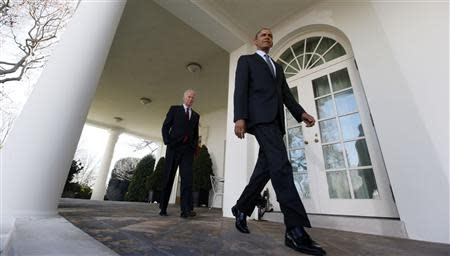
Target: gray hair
{"type": "Point", "coordinates": [188, 91]}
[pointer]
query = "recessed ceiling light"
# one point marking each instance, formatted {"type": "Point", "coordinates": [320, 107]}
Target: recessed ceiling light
{"type": "Point", "coordinates": [193, 67]}
{"type": "Point", "coordinates": [145, 100]}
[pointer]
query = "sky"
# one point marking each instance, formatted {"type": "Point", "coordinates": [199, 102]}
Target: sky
{"type": "Point", "coordinates": [14, 94]}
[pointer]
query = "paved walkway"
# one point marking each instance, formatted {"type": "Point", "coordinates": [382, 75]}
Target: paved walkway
{"type": "Point", "coordinates": [137, 229]}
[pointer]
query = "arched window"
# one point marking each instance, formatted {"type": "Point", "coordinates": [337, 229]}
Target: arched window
{"type": "Point", "coordinates": [309, 53]}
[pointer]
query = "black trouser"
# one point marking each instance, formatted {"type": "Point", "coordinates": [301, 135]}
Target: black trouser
{"type": "Point", "coordinates": [273, 164]}
{"type": "Point", "coordinates": [182, 156]}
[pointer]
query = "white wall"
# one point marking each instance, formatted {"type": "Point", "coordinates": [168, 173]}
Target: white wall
{"type": "Point", "coordinates": [418, 40]}
{"type": "Point", "coordinates": [215, 123]}
{"type": "Point", "coordinates": [402, 53]}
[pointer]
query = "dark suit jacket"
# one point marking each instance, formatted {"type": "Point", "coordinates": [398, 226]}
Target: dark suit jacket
{"type": "Point", "coordinates": [175, 127]}
{"type": "Point", "coordinates": [258, 97]}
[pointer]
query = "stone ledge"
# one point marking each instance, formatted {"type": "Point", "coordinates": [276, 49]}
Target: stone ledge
{"type": "Point", "coordinates": [7, 232]}
{"type": "Point", "coordinates": [53, 236]}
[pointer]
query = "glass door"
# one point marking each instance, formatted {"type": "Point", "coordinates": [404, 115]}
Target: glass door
{"type": "Point", "coordinates": [337, 164]}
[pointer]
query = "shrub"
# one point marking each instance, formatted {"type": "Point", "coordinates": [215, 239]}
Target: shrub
{"type": "Point", "coordinates": [137, 190]}
{"type": "Point", "coordinates": [202, 169]}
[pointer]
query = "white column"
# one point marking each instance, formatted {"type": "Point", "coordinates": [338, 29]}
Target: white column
{"type": "Point", "coordinates": [161, 151]}
{"type": "Point", "coordinates": [99, 190]}
{"type": "Point", "coordinates": [173, 194]}
{"type": "Point", "coordinates": [239, 154]}
{"type": "Point", "coordinates": [37, 155]}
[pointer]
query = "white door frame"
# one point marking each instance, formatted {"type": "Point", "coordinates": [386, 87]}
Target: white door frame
{"type": "Point", "coordinates": [383, 207]}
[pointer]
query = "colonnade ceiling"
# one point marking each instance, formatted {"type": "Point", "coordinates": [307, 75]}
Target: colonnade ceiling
{"type": "Point", "coordinates": [156, 40]}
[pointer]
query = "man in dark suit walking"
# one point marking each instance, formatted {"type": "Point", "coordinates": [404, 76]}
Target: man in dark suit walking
{"type": "Point", "coordinates": [180, 134]}
{"type": "Point", "coordinates": [260, 92]}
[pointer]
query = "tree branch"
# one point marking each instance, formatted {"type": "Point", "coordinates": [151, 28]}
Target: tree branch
{"type": "Point", "coordinates": [47, 18]}
{"type": "Point", "coordinates": [17, 78]}
{"type": "Point", "coordinates": [4, 6]}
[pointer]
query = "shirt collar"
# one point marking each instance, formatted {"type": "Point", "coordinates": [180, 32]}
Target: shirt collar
{"type": "Point", "coordinates": [186, 107]}
{"type": "Point", "coordinates": [261, 53]}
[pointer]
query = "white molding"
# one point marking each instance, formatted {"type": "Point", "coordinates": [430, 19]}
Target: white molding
{"type": "Point", "coordinates": [373, 226]}
{"type": "Point", "coordinates": [207, 20]}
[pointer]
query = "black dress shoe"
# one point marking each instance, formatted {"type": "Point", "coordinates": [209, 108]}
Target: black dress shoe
{"type": "Point", "coordinates": [299, 240]}
{"type": "Point", "coordinates": [192, 214]}
{"type": "Point", "coordinates": [184, 215]}
{"type": "Point", "coordinates": [163, 213]}
{"type": "Point", "coordinates": [241, 220]}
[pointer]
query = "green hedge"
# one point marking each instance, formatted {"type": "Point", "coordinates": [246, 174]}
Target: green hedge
{"type": "Point", "coordinates": [137, 189]}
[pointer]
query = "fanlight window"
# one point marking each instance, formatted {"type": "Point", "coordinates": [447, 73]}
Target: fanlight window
{"type": "Point", "coordinates": [309, 53]}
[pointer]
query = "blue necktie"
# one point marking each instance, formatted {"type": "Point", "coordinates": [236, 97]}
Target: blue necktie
{"type": "Point", "coordinates": [266, 57]}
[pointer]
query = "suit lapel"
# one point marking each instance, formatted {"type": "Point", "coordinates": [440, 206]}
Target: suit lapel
{"type": "Point", "coordinates": [264, 63]}
{"type": "Point", "coordinates": [280, 72]}
{"type": "Point", "coordinates": [193, 115]}
{"type": "Point", "coordinates": [279, 81]}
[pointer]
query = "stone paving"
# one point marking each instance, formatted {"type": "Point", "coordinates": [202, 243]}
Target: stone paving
{"type": "Point", "coordinates": [137, 229]}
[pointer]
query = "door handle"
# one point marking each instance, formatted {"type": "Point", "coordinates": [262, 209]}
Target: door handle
{"type": "Point", "coordinates": [306, 142]}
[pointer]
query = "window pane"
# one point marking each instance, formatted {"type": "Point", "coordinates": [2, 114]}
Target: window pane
{"type": "Point", "coordinates": [299, 59]}
{"type": "Point", "coordinates": [340, 80]}
{"type": "Point", "coordinates": [293, 63]}
{"type": "Point", "coordinates": [333, 156]}
{"type": "Point", "coordinates": [313, 61]}
{"type": "Point", "coordinates": [345, 102]}
{"type": "Point", "coordinates": [287, 55]}
{"type": "Point", "coordinates": [311, 44]}
{"type": "Point", "coordinates": [320, 62]}
{"type": "Point", "coordinates": [295, 137]}
{"type": "Point", "coordinates": [324, 45]}
{"type": "Point", "coordinates": [283, 66]}
{"type": "Point", "coordinates": [298, 160]}
{"type": "Point", "coordinates": [357, 153]}
{"type": "Point", "coordinates": [321, 86]}
{"type": "Point", "coordinates": [325, 107]}
{"type": "Point", "coordinates": [290, 120]}
{"type": "Point", "coordinates": [307, 57]}
{"type": "Point", "coordinates": [351, 126]}
{"type": "Point", "coordinates": [329, 131]}
{"type": "Point", "coordinates": [301, 181]}
{"type": "Point", "coordinates": [298, 48]}
{"type": "Point", "coordinates": [364, 184]}
{"type": "Point", "coordinates": [338, 185]}
{"type": "Point", "coordinates": [289, 68]}
{"type": "Point", "coordinates": [334, 53]}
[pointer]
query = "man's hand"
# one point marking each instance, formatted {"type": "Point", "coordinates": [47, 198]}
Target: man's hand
{"type": "Point", "coordinates": [240, 127]}
{"type": "Point", "coordinates": [308, 119]}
